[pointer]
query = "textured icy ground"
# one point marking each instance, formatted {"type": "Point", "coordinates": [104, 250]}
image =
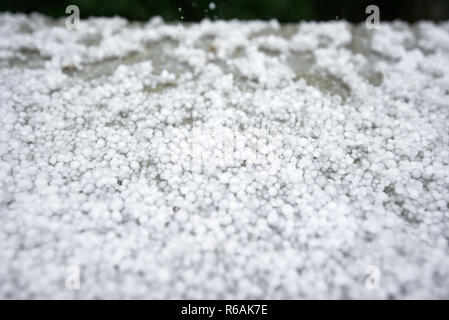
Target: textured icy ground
{"type": "Point", "coordinates": [223, 159]}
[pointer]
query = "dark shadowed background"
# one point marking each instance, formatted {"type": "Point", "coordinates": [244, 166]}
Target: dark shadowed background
{"type": "Point", "coordinates": [283, 10]}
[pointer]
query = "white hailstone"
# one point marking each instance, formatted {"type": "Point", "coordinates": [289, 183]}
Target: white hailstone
{"type": "Point", "coordinates": [89, 188]}
{"type": "Point", "coordinates": [196, 168]}
{"type": "Point", "coordinates": [25, 184]}
{"type": "Point", "coordinates": [171, 119]}
{"type": "Point", "coordinates": [116, 204]}
{"type": "Point", "coordinates": [143, 219]}
{"type": "Point", "coordinates": [227, 157]}
{"type": "Point", "coordinates": [101, 143]}
{"type": "Point", "coordinates": [287, 210]}
{"type": "Point", "coordinates": [75, 164]}
{"type": "Point", "coordinates": [416, 173]}
{"type": "Point", "coordinates": [174, 158]}
{"type": "Point", "coordinates": [134, 165]}
{"type": "Point", "coordinates": [181, 216]}
{"type": "Point", "coordinates": [165, 158]}
{"type": "Point", "coordinates": [53, 159]}
{"type": "Point", "coordinates": [87, 152]}
{"type": "Point", "coordinates": [216, 196]}
{"type": "Point", "coordinates": [272, 191]}
{"type": "Point", "coordinates": [190, 197]}
{"type": "Point", "coordinates": [122, 145]}
{"type": "Point", "coordinates": [288, 153]}
{"type": "Point", "coordinates": [116, 216]}
{"type": "Point", "coordinates": [272, 217]}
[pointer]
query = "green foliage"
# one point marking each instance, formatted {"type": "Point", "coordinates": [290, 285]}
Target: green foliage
{"type": "Point", "coordinates": [195, 10]}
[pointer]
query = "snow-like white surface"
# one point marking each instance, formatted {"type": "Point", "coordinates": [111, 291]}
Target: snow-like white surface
{"type": "Point", "coordinates": [223, 159]}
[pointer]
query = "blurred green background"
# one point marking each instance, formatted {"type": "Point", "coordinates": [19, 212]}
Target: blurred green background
{"type": "Point", "coordinates": [282, 10]}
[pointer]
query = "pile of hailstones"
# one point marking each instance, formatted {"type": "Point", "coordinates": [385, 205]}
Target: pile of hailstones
{"type": "Point", "coordinates": [223, 159]}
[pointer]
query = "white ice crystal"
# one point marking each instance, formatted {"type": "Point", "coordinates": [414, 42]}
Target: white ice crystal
{"type": "Point", "coordinates": [223, 159]}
